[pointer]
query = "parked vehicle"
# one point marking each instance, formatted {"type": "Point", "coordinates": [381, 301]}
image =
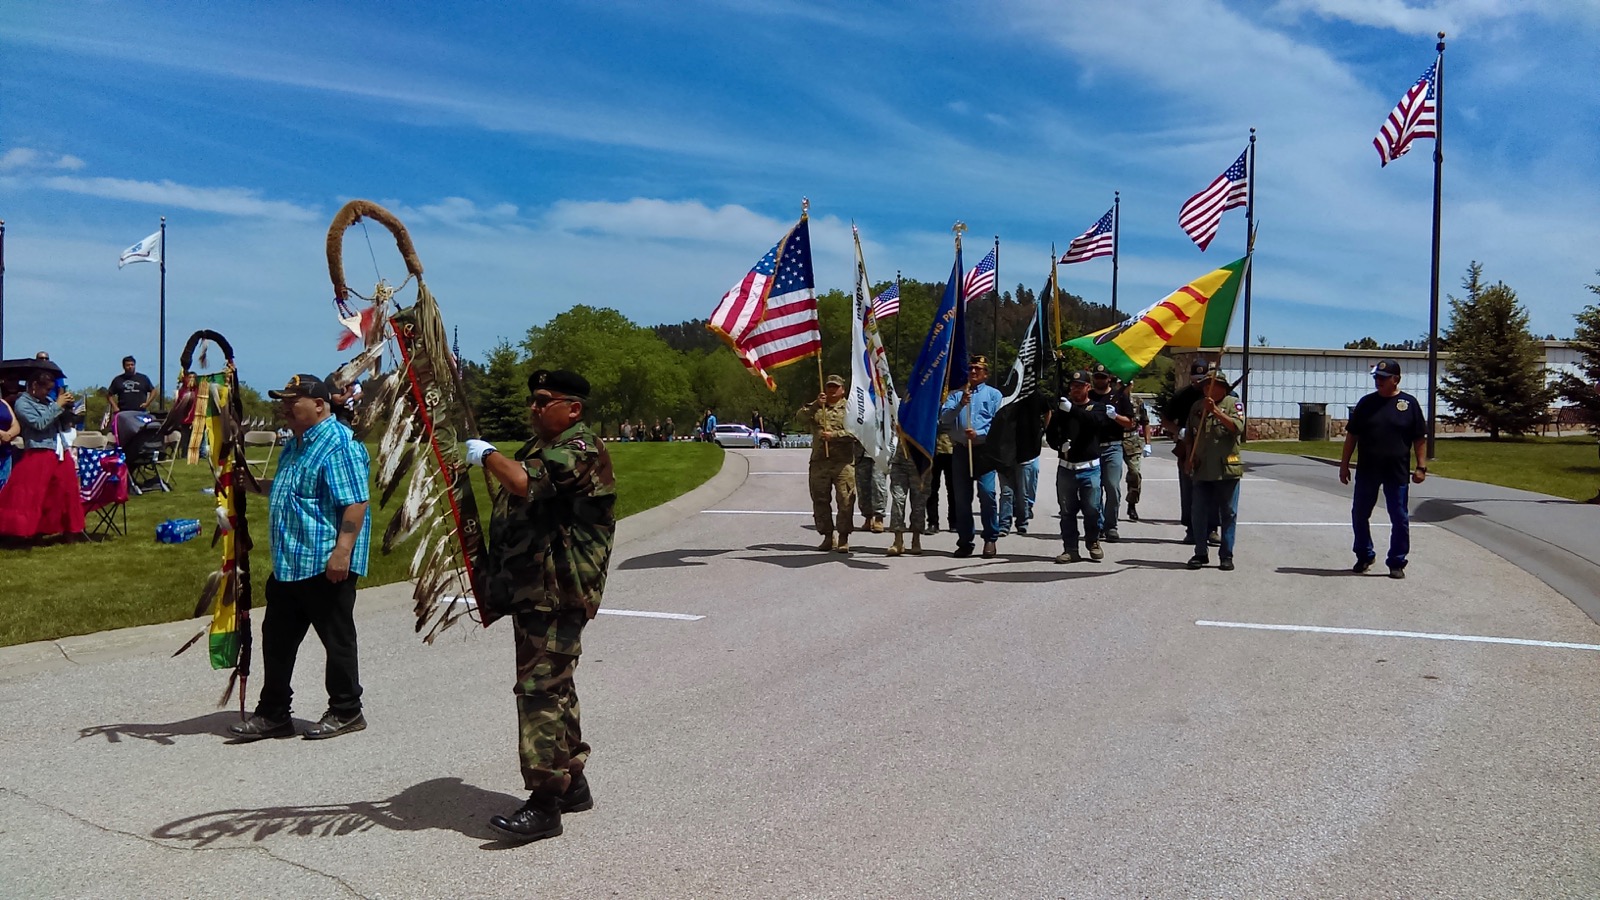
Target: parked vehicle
{"type": "Point", "coordinates": [743, 436]}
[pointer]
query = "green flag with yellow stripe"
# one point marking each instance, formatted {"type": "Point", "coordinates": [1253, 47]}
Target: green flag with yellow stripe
{"type": "Point", "coordinates": [1195, 315]}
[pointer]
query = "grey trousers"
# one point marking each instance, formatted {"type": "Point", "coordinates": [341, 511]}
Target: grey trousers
{"type": "Point", "coordinates": [906, 486]}
{"type": "Point", "coordinates": [872, 488]}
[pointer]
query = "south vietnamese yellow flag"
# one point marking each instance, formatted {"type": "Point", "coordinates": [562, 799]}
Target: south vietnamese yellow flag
{"type": "Point", "coordinates": [1195, 315]}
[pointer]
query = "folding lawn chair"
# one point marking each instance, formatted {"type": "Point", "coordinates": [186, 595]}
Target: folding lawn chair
{"type": "Point", "coordinates": [103, 487]}
{"type": "Point", "coordinates": [257, 440]}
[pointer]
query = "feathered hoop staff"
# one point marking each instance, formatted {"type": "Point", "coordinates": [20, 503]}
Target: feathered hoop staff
{"type": "Point", "coordinates": [227, 591]}
{"type": "Point", "coordinates": [422, 405]}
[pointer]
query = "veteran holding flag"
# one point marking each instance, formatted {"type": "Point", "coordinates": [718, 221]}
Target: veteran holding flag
{"type": "Point", "coordinates": [832, 468]}
{"type": "Point", "coordinates": [969, 414]}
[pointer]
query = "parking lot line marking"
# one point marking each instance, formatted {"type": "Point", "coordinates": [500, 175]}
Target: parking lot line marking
{"type": "Point", "coordinates": [752, 512]}
{"type": "Point", "coordinates": [644, 614]}
{"type": "Point", "coordinates": [1424, 635]}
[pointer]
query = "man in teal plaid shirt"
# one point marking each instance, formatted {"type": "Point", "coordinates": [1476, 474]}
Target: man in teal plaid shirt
{"type": "Point", "coordinates": [320, 534]}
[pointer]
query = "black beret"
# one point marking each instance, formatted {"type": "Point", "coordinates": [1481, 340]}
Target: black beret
{"type": "Point", "coordinates": [559, 381]}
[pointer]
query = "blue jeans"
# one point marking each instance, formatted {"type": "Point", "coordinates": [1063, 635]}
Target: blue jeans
{"type": "Point", "coordinates": [1395, 494]}
{"type": "Point", "coordinates": [1024, 482]}
{"type": "Point", "coordinates": [1110, 485]}
{"type": "Point", "coordinates": [1215, 501]}
{"type": "Point", "coordinates": [1078, 492]}
{"type": "Point", "coordinates": [962, 486]}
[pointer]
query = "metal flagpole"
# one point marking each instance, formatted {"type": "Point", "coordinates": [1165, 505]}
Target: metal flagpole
{"type": "Point", "coordinates": [1249, 247]}
{"type": "Point", "coordinates": [161, 375]}
{"type": "Point", "coordinates": [1116, 233]}
{"type": "Point", "coordinates": [2, 289]}
{"type": "Point", "coordinates": [994, 358]}
{"type": "Point", "coordinates": [1433, 302]}
{"type": "Point", "coordinates": [1055, 303]}
{"type": "Point", "coordinates": [897, 316]}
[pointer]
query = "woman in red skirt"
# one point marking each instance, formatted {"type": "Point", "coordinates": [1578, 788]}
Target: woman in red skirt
{"type": "Point", "coordinates": [41, 496]}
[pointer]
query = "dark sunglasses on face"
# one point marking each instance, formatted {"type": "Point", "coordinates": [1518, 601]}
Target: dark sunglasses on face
{"type": "Point", "coordinates": [540, 401]}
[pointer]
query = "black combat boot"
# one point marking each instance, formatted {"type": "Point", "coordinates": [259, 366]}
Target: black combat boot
{"type": "Point", "coordinates": [539, 818]}
{"type": "Point", "coordinates": [1133, 511]}
{"type": "Point", "coordinates": [577, 798]}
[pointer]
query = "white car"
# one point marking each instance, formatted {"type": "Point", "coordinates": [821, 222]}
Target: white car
{"type": "Point", "coordinates": [743, 436]}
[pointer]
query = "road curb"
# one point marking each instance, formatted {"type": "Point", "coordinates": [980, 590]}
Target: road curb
{"type": "Point", "coordinates": [166, 637]}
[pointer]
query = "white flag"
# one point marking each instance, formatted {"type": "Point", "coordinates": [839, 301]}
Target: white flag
{"type": "Point", "coordinates": [147, 250]}
{"type": "Point", "coordinates": [874, 408]}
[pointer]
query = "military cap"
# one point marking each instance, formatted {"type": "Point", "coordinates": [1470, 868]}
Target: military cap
{"type": "Point", "coordinates": [1079, 376]}
{"type": "Point", "coordinates": [559, 381]}
{"type": "Point", "coordinates": [1100, 369]}
{"type": "Point", "coordinates": [1387, 367]}
{"type": "Point", "coordinates": [1213, 373]}
{"type": "Point", "coordinates": [837, 379]}
{"type": "Point", "coordinates": [978, 359]}
{"type": "Point", "coordinates": [303, 386]}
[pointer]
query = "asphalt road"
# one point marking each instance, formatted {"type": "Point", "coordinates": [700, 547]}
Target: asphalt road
{"type": "Point", "coordinates": [864, 726]}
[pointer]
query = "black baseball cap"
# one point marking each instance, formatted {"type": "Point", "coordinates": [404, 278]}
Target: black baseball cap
{"type": "Point", "coordinates": [303, 386]}
{"type": "Point", "coordinates": [1099, 369]}
{"type": "Point", "coordinates": [1079, 376]}
{"type": "Point", "coordinates": [559, 381]}
{"type": "Point", "coordinates": [1197, 369]}
{"type": "Point", "coordinates": [1386, 367]}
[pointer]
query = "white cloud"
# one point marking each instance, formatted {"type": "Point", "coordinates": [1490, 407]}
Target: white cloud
{"type": "Point", "coordinates": [20, 158]}
{"type": "Point", "coordinates": [1449, 16]}
{"type": "Point", "coordinates": [228, 201]}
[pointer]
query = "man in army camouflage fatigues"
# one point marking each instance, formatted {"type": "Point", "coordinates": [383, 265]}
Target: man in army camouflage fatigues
{"type": "Point", "coordinates": [1133, 453]}
{"type": "Point", "coordinates": [832, 470]}
{"type": "Point", "coordinates": [549, 545]}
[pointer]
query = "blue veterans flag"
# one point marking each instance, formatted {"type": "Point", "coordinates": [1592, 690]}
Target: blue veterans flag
{"type": "Point", "coordinates": [930, 376]}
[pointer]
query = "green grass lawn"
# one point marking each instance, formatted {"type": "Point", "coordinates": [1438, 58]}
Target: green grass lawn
{"type": "Point", "coordinates": [1560, 466]}
{"type": "Point", "coordinates": [56, 591]}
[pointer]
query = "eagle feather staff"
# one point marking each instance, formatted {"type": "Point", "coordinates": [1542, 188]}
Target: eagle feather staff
{"type": "Point", "coordinates": [219, 412]}
{"type": "Point", "coordinates": [424, 415]}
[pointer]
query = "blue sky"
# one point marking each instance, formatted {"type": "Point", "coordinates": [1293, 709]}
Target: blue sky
{"type": "Point", "coordinates": [644, 155]}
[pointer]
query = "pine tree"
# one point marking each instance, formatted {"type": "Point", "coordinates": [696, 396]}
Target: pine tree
{"type": "Point", "coordinates": [1585, 392]}
{"type": "Point", "coordinates": [1495, 378]}
{"type": "Point", "coordinates": [502, 391]}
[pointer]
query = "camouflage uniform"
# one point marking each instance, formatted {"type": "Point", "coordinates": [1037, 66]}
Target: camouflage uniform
{"type": "Point", "coordinates": [833, 454]}
{"type": "Point", "coordinates": [1133, 450]}
{"type": "Point", "coordinates": [548, 554]}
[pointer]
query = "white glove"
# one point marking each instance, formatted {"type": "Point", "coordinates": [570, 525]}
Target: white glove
{"type": "Point", "coordinates": [1111, 410]}
{"type": "Point", "coordinates": [477, 450]}
{"type": "Point", "coordinates": [223, 525]}
{"type": "Point", "coordinates": [1147, 450]}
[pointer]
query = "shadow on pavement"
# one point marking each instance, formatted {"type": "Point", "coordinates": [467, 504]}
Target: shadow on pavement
{"type": "Point", "coordinates": [1320, 573]}
{"type": "Point", "coordinates": [442, 804]}
{"type": "Point", "coordinates": [667, 559]}
{"type": "Point", "coordinates": [800, 556]}
{"type": "Point", "coordinates": [1153, 563]}
{"type": "Point", "coordinates": [215, 724]}
{"type": "Point", "coordinates": [1435, 510]}
{"type": "Point", "coordinates": [1065, 573]}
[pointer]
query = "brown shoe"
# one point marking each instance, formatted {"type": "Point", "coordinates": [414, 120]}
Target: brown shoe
{"type": "Point", "coordinates": [827, 542]}
{"type": "Point", "coordinates": [877, 525]}
{"type": "Point", "coordinates": [989, 550]}
{"type": "Point", "coordinates": [916, 544]}
{"type": "Point", "coordinates": [899, 545]}
{"type": "Point", "coordinates": [842, 545]}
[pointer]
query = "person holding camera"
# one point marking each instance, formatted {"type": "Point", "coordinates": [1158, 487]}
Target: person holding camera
{"type": "Point", "coordinates": [41, 497]}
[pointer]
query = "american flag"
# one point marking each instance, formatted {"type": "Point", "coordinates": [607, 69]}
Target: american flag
{"type": "Point", "coordinates": [887, 303]}
{"type": "Point", "coordinates": [1202, 213]}
{"type": "Point", "coordinates": [1097, 241]}
{"type": "Point", "coordinates": [770, 317]}
{"type": "Point", "coordinates": [982, 278]}
{"type": "Point", "coordinates": [1413, 118]}
{"type": "Point", "coordinates": [93, 473]}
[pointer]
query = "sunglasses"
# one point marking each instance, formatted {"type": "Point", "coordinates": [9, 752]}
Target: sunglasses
{"type": "Point", "coordinates": [541, 401]}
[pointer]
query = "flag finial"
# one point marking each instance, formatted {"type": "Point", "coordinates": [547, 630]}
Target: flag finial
{"type": "Point", "coordinates": [805, 207]}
